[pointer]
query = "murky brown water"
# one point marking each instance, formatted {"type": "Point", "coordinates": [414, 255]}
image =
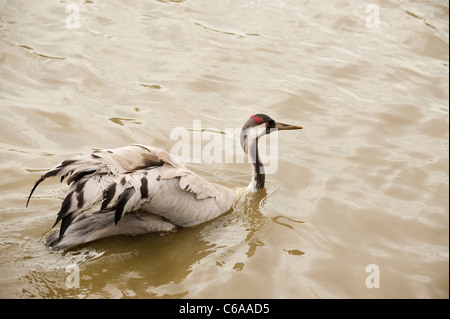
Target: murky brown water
{"type": "Point", "coordinates": [366, 181]}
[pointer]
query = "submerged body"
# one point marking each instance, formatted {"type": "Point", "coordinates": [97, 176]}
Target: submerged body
{"type": "Point", "coordinates": [139, 189]}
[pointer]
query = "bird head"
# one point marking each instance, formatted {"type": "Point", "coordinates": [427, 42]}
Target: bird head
{"type": "Point", "coordinates": [259, 125]}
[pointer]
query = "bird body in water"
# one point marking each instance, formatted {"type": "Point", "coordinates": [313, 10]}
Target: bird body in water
{"type": "Point", "coordinates": [138, 189]}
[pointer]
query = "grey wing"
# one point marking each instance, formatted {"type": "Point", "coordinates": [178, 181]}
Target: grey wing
{"type": "Point", "coordinates": [89, 176]}
{"type": "Point", "coordinates": [171, 191]}
{"type": "Point", "coordinates": [185, 198]}
{"type": "Point", "coordinates": [132, 177]}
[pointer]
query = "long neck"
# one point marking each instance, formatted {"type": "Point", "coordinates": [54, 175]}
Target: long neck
{"type": "Point", "coordinates": [258, 174]}
{"type": "Point", "coordinates": [250, 145]}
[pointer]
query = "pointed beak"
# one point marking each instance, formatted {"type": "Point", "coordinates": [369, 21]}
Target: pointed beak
{"type": "Point", "coordinates": [283, 126]}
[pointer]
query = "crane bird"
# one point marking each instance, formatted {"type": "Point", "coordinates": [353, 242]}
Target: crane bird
{"type": "Point", "coordinates": [139, 189]}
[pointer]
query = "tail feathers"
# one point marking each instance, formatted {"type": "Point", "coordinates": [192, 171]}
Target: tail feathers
{"type": "Point", "coordinates": [96, 178]}
{"type": "Point", "coordinates": [40, 180]}
{"type": "Point", "coordinates": [86, 177]}
{"type": "Point", "coordinates": [83, 195]}
{"type": "Point", "coordinates": [121, 195]}
{"type": "Point", "coordinates": [76, 168]}
{"type": "Point", "coordinates": [54, 172]}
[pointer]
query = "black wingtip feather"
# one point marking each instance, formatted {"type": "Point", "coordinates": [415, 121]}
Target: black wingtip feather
{"type": "Point", "coordinates": [65, 206]}
{"type": "Point", "coordinates": [108, 195]}
{"type": "Point", "coordinates": [65, 223]}
{"type": "Point", "coordinates": [78, 176]}
{"type": "Point", "coordinates": [123, 199]}
{"type": "Point", "coordinates": [51, 173]}
{"type": "Point", "coordinates": [34, 188]}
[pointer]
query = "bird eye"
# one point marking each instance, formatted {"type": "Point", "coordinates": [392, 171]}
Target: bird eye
{"type": "Point", "coordinates": [270, 124]}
